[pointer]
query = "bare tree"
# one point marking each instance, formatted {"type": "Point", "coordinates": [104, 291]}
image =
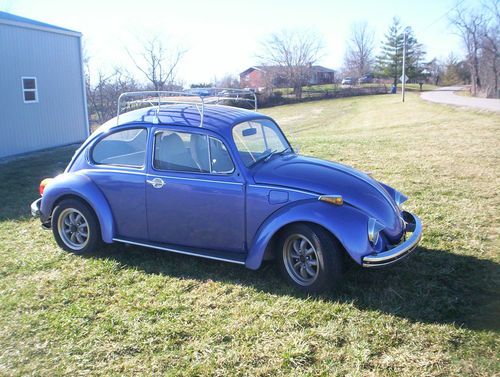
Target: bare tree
{"type": "Point", "coordinates": [479, 28]}
{"type": "Point", "coordinates": [491, 47]}
{"type": "Point", "coordinates": [471, 27]}
{"type": "Point", "coordinates": [358, 58]}
{"type": "Point", "coordinates": [293, 52]}
{"type": "Point", "coordinates": [455, 71]}
{"type": "Point", "coordinates": [157, 62]}
{"type": "Point", "coordinates": [102, 96]}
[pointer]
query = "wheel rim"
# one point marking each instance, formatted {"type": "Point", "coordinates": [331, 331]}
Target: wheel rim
{"type": "Point", "coordinates": [301, 259]}
{"type": "Point", "coordinates": [73, 228]}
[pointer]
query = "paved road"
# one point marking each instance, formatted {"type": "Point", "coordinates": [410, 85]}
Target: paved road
{"type": "Point", "coordinates": [447, 95]}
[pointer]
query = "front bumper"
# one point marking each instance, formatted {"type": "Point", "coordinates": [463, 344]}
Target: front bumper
{"type": "Point", "coordinates": [402, 250]}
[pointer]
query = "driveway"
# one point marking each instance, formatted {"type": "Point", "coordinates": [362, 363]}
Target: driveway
{"type": "Point", "coordinates": [447, 96]}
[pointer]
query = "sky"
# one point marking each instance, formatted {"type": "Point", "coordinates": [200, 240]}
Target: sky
{"type": "Point", "coordinates": [224, 37]}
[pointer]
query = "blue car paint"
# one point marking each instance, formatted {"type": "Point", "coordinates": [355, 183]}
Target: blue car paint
{"type": "Point", "coordinates": [320, 176]}
{"type": "Point", "coordinates": [123, 189]}
{"type": "Point", "coordinates": [197, 212]}
{"type": "Point", "coordinates": [81, 186]}
{"type": "Point", "coordinates": [253, 204]}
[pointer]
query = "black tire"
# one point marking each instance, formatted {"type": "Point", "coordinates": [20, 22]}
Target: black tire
{"type": "Point", "coordinates": [69, 234]}
{"type": "Point", "coordinates": [298, 267]}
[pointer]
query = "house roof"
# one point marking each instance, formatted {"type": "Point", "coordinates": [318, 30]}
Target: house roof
{"type": "Point", "coordinates": [321, 69]}
{"type": "Point", "coordinates": [12, 19]}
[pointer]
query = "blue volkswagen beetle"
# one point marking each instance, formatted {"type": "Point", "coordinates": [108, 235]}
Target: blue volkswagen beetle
{"type": "Point", "coordinates": [223, 183]}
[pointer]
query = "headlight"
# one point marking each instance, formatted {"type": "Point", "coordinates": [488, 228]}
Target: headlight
{"type": "Point", "coordinates": [374, 228]}
{"type": "Point", "coordinates": [399, 198]}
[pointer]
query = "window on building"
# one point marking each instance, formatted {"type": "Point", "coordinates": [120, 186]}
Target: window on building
{"type": "Point", "coordinates": [30, 91]}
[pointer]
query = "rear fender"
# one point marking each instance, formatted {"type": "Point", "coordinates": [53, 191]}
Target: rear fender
{"type": "Point", "coordinates": [346, 223]}
{"type": "Point", "coordinates": [79, 185]}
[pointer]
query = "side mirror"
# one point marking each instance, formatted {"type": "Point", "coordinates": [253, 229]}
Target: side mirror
{"type": "Point", "coordinates": [249, 132]}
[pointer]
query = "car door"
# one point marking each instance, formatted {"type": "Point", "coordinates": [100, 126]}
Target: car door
{"type": "Point", "coordinates": [117, 163]}
{"type": "Point", "coordinates": [194, 196]}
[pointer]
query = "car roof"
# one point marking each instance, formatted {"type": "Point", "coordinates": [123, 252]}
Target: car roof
{"type": "Point", "coordinates": [216, 118]}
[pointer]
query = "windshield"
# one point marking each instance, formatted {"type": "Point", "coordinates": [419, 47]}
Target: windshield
{"type": "Point", "coordinates": [257, 139]}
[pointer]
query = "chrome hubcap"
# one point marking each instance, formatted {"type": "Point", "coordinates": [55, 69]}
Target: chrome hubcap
{"type": "Point", "coordinates": [73, 228]}
{"type": "Point", "coordinates": [301, 259]}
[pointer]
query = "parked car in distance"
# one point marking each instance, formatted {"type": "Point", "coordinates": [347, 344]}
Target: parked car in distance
{"type": "Point", "coordinates": [224, 183]}
{"type": "Point", "coordinates": [366, 79]}
{"type": "Point", "coordinates": [347, 81]}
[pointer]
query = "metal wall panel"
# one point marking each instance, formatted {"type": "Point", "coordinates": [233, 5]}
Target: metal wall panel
{"type": "Point", "coordinates": [58, 118]}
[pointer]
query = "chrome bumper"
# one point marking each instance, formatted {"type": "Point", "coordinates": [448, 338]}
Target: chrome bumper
{"type": "Point", "coordinates": [35, 212]}
{"type": "Point", "coordinates": [35, 208]}
{"type": "Point", "coordinates": [402, 250]}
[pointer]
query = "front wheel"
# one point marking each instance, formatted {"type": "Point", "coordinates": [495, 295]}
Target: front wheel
{"type": "Point", "coordinates": [309, 258]}
{"type": "Point", "coordinates": [75, 227]}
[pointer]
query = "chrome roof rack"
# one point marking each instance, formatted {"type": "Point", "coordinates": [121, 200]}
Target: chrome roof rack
{"type": "Point", "coordinates": [156, 99]}
{"type": "Point", "coordinates": [221, 95]}
{"type": "Point", "coordinates": [197, 97]}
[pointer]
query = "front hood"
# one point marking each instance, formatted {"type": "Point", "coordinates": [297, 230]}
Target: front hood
{"type": "Point", "coordinates": [330, 178]}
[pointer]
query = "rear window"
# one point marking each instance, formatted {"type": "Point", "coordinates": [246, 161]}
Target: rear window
{"type": "Point", "coordinates": [122, 148]}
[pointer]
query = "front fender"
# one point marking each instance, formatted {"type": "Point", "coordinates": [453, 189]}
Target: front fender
{"type": "Point", "coordinates": [83, 187]}
{"type": "Point", "coordinates": [347, 223]}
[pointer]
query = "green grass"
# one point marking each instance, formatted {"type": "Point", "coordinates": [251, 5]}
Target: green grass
{"type": "Point", "coordinates": [129, 310]}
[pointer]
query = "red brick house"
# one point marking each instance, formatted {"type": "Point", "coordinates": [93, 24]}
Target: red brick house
{"type": "Point", "coordinates": [260, 77]}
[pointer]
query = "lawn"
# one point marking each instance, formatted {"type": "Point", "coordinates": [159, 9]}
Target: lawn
{"type": "Point", "coordinates": [129, 310]}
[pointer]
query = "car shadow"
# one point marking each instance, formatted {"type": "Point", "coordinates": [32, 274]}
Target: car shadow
{"type": "Point", "coordinates": [433, 286]}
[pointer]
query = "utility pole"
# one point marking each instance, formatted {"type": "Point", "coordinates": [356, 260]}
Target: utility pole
{"type": "Point", "coordinates": [403, 77]}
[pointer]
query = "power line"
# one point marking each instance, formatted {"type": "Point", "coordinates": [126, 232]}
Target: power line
{"type": "Point", "coordinates": [445, 14]}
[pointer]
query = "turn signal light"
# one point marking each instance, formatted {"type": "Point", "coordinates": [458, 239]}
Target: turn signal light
{"type": "Point", "coordinates": [332, 199]}
{"type": "Point", "coordinates": [44, 183]}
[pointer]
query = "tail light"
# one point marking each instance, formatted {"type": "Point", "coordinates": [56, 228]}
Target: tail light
{"type": "Point", "coordinates": [44, 183]}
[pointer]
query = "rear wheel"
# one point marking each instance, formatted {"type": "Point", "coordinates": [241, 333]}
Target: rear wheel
{"type": "Point", "coordinates": [309, 258]}
{"type": "Point", "coordinates": [75, 227]}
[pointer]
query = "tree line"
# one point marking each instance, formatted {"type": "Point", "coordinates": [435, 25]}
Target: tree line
{"type": "Point", "coordinates": [293, 52]}
{"type": "Point", "coordinates": [479, 30]}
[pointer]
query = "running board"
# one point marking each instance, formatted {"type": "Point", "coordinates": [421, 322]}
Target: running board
{"type": "Point", "coordinates": [223, 256]}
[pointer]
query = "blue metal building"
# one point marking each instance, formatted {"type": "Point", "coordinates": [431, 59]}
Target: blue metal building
{"type": "Point", "coordinates": [42, 87]}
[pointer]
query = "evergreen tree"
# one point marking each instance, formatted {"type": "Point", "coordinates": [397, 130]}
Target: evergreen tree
{"type": "Point", "coordinates": [390, 61]}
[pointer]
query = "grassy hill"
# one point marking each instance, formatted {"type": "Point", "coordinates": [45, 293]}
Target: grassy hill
{"type": "Point", "coordinates": [129, 310]}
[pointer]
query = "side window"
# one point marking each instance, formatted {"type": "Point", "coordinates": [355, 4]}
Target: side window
{"type": "Point", "coordinates": [191, 152]}
{"type": "Point", "coordinates": [220, 161]}
{"type": "Point", "coordinates": [181, 151]}
{"type": "Point", "coordinates": [122, 148]}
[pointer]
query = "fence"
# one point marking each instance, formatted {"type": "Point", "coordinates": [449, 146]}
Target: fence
{"type": "Point", "coordinates": [277, 98]}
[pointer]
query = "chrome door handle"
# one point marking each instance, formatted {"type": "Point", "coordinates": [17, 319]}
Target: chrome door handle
{"type": "Point", "coordinates": [156, 182]}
